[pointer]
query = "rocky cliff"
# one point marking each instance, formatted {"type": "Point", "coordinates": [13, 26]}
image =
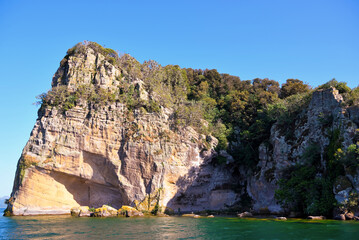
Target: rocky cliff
{"type": "Point", "coordinates": [315, 126]}
{"type": "Point", "coordinates": [96, 154]}
{"type": "Point", "coordinates": [105, 136]}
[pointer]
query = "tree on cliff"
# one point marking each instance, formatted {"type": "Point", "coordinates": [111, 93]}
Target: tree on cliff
{"type": "Point", "coordinates": [292, 87]}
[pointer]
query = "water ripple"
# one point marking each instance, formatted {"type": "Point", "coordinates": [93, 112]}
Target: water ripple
{"type": "Point", "coordinates": [66, 227]}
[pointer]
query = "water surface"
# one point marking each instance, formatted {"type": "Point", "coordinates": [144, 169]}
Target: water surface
{"type": "Point", "coordinates": [66, 227]}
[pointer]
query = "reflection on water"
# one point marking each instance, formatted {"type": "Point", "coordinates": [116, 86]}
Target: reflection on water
{"type": "Point", "coordinates": [66, 227]}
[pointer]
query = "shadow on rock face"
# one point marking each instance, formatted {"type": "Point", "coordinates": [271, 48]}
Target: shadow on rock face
{"type": "Point", "coordinates": [205, 187]}
{"type": "Point", "coordinates": [89, 193]}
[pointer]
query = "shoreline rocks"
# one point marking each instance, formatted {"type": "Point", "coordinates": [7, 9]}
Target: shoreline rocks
{"type": "Point", "coordinates": [82, 211]}
{"type": "Point", "coordinates": [349, 216]}
{"type": "Point", "coordinates": [105, 211]}
{"type": "Point", "coordinates": [245, 214]}
{"type": "Point", "coordinates": [128, 211]}
{"type": "Point", "coordinates": [340, 217]}
{"type": "Point", "coordinates": [316, 217]}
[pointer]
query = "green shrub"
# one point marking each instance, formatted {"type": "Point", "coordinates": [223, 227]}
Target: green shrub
{"type": "Point", "coordinates": [308, 187]}
{"type": "Point", "coordinates": [306, 192]}
{"type": "Point", "coordinates": [340, 86]}
{"type": "Point", "coordinates": [80, 48]}
{"type": "Point", "coordinates": [221, 132]}
{"type": "Point", "coordinates": [65, 99]}
{"type": "Point", "coordinates": [153, 106]}
{"type": "Point", "coordinates": [348, 157]}
{"type": "Point", "coordinates": [293, 87]}
{"type": "Point", "coordinates": [353, 98]}
{"type": "Point", "coordinates": [7, 213]}
{"type": "Point", "coordinates": [350, 204]}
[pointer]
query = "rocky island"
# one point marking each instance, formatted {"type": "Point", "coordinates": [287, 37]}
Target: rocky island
{"type": "Point", "coordinates": [114, 133]}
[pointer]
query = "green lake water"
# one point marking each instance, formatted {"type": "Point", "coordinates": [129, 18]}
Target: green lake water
{"type": "Point", "coordinates": [66, 227]}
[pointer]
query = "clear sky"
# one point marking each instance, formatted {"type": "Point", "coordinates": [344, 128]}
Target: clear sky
{"type": "Point", "coordinates": [312, 40]}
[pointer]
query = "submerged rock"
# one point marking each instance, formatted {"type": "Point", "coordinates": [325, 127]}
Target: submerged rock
{"type": "Point", "coordinates": [192, 215]}
{"type": "Point", "coordinates": [245, 214]}
{"type": "Point", "coordinates": [159, 214]}
{"type": "Point", "coordinates": [188, 215]}
{"type": "Point", "coordinates": [316, 217]}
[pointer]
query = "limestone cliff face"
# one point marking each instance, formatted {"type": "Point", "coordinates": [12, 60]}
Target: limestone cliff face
{"type": "Point", "coordinates": [324, 114]}
{"type": "Point", "coordinates": [94, 155]}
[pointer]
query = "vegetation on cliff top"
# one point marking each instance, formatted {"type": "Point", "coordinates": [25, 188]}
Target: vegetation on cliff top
{"type": "Point", "coordinates": [237, 111]}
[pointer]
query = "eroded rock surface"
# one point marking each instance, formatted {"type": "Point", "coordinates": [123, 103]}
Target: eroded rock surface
{"type": "Point", "coordinates": [93, 155]}
{"type": "Point", "coordinates": [325, 111]}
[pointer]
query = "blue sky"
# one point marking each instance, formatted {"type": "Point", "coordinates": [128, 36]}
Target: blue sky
{"type": "Point", "coordinates": [312, 40]}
